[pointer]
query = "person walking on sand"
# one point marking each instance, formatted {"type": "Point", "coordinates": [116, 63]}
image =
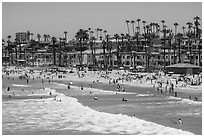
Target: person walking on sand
{"type": "Point", "coordinates": [27, 81]}
{"type": "Point", "coordinates": [175, 94]}
{"type": "Point", "coordinates": [180, 121]}
{"type": "Point", "coordinates": [82, 87]}
{"type": "Point", "coordinates": [196, 99]}
{"type": "Point", "coordinates": [68, 87]}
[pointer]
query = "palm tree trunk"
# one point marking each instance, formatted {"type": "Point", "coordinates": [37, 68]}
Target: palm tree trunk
{"type": "Point", "coordinates": [20, 50]}
{"type": "Point", "coordinates": [174, 54]}
{"type": "Point", "coordinates": [164, 56]}
{"type": "Point", "coordinates": [60, 57]}
{"type": "Point", "coordinates": [179, 50]}
{"type": "Point", "coordinates": [54, 54]}
{"type": "Point", "coordinates": [16, 53]}
{"type": "Point", "coordinates": [81, 52]}
{"type": "Point", "coordinates": [199, 53]}
{"type": "Point", "coordinates": [32, 56]}
{"type": "Point", "coordinates": [92, 53]}
{"type": "Point", "coordinates": [118, 55]}
{"type": "Point", "coordinates": [128, 28]}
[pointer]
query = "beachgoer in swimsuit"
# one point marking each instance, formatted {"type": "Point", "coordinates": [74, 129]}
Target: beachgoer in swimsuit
{"type": "Point", "coordinates": [8, 89]}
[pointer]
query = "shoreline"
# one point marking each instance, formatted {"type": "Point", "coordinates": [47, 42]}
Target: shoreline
{"type": "Point", "coordinates": [101, 86]}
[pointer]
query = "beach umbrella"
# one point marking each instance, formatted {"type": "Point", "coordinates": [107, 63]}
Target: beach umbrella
{"type": "Point", "coordinates": [140, 67]}
{"type": "Point", "coordinates": [170, 72]}
{"type": "Point", "coordinates": [121, 67]}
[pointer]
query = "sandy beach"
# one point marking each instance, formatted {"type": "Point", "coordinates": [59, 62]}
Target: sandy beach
{"type": "Point", "coordinates": [142, 97]}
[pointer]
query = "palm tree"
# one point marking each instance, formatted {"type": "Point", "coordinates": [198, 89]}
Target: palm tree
{"type": "Point", "coordinates": [54, 40]}
{"type": "Point", "coordinates": [127, 21]}
{"type": "Point", "coordinates": [169, 38]}
{"type": "Point", "coordinates": [97, 30]}
{"type": "Point", "coordinates": [45, 37]}
{"type": "Point", "coordinates": [137, 29]}
{"type": "Point", "coordinates": [105, 33]}
{"type": "Point", "coordinates": [116, 36]}
{"type": "Point", "coordinates": [133, 28]}
{"type": "Point", "coordinates": [38, 36]}
{"type": "Point", "coordinates": [3, 45]}
{"type": "Point", "coordinates": [175, 25]}
{"type": "Point", "coordinates": [151, 27]}
{"type": "Point", "coordinates": [31, 35]}
{"type": "Point", "coordinates": [9, 37]}
{"type": "Point", "coordinates": [189, 26]}
{"type": "Point", "coordinates": [60, 54]}
{"type": "Point", "coordinates": [89, 30]}
{"type": "Point", "coordinates": [101, 34]}
{"type": "Point", "coordinates": [28, 34]}
{"type": "Point", "coordinates": [196, 25]}
{"type": "Point", "coordinates": [138, 22]}
{"type": "Point", "coordinates": [91, 33]}
{"type": "Point", "coordinates": [109, 49]}
{"type": "Point", "coordinates": [144, 26]}
{"type": "Point", "coordinates": [65, 36]}
{"type": "Point", "coordinates": [32, 44]}
{"type": "Point", "coordinates": [183, 28]}
{"type": "Point", "coordinates": [17, 41]}
{"type": "Point", "coordinates": [81, 36]}
{"type": "Point", "coordinates": [162, 21]}
{"type": "Point", "coordinates": [8, 42]}
{"type": "Point", "coordinates": [179, 35]}
{"type": "Point", "coordinates": [199, 52]}
{"type": "Point", "coordinates": [122, 44]}
{"type": "Point", "coordinates": [91, 43]}
{"type": "Point", "coordinates": [104, 43]}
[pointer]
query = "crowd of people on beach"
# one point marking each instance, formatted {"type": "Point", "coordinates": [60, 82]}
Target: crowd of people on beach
{"type": "Point", "coordinates": [163, 83]}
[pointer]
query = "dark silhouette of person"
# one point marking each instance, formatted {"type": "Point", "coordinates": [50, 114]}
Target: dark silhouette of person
{"type": "Point", "coordinates": [8, 89]}
{"type": "Point", "coordinates": [175, 94]}
{"type": "Point", "coordinates": [124, 99]}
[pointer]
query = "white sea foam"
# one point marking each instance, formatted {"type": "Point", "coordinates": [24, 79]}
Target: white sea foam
{"type": "Point", "coordinates": [48, 114]}
{"type": "Point", "coordinates": [144, 95]}
{"type": "Point", "coordinates": [185, 101]}
{"type": "Point", "coordinates": [96, 91]}
{"type": "Point", "coordinates": [16, 85]}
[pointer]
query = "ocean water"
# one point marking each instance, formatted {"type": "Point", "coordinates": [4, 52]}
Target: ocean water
{"type": "Point", "coordinates": [66, 113]}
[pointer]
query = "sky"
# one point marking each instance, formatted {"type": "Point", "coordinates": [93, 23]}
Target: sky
{"type": "Point", "coordinates": [54, 18]}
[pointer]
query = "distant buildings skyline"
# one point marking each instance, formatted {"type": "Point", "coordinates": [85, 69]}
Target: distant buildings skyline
{"type": "Point", "coordinates": [55, 18]}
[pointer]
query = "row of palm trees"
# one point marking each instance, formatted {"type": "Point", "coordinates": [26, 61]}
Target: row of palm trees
{"type": "Point", "coordinates": [85, 39]}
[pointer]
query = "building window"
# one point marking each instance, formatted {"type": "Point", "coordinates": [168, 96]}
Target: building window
{"type": "Point", "coordinates": [127, 63]}
{"type": "Point", "coordinates": [128, 57]}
